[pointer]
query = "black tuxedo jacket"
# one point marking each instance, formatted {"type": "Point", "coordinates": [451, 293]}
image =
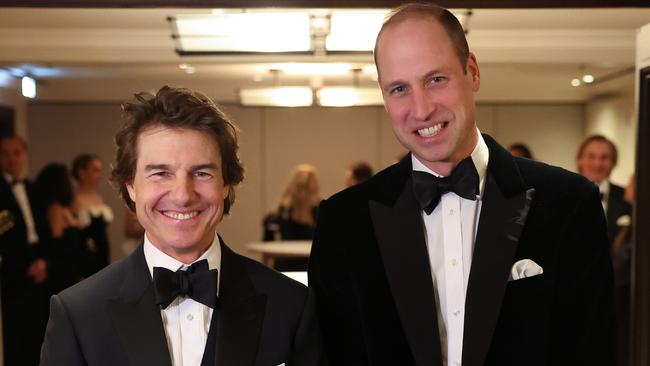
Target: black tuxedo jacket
{"type": "Point", "coordinates": [616, 207]}
{"type": "Point", "coordinates": [374, 291]}
{"type": "Point", "coordinates": [16, 253]}
{"type": "Point", "coordinates": [264, 318]}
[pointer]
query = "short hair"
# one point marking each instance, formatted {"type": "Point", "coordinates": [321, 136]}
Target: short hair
{"type": "Point", "coordinates": [598, 138]}
{"type": "Point", "coordinates": [176, 108]}
{"type": "Point", "coordinates": [81, 162]}
{"type": "Point", "coordinates": [444, 17]}
{"type": "Point", "coordinates": [361, 171]}
{"type": "Point", "coordinates": [15, 137]}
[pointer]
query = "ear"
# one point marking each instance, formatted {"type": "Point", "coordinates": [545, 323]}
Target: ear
{"type": "Point", "coordinates": [225, 192]}
{"type": "Point", "coordinates": [474, 72]}
{"type": "Point", "coordinates": [131, 190]}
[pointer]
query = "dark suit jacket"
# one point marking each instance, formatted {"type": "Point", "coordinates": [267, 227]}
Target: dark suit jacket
{"type": "Point", "coordinates": [16, 254]}
{"type": "Point", "coordinates": [616, 207]}
{"type": "Point", "coordinates": [264, 318]}
{"type": "Point", "coordinates": [375, 298]}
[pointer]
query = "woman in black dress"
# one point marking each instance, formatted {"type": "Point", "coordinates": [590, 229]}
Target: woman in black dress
{"type": "Point", "coordinates": [67, 249]}
{"type": "Point", "coordinates": [93, 214]}
{"type": "Point", "coordinates": [294, 217]}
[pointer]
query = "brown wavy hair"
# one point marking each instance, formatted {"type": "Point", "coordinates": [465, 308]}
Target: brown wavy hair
{"type": "Point", "coordinates": [177, 108]}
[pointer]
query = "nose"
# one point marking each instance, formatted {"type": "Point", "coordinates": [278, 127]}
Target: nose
{"type": "Point", "coordinates": [423, 105]}
{"type": "Point", "coordinates": [182, 192]}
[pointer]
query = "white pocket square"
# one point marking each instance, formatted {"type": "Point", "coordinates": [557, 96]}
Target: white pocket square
{"type": "Point", "coordinates": [524, 268]}
{"type": "Point", "coordinates": [282, 364]}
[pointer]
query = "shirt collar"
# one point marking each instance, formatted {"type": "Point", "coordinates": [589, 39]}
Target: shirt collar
{"type": "Point", "coordinates": [480, 157]}
{"type": "Point", "coordinates": [156, 258]}
{"type": "Point", "coordinates": [604, 187]}
{"type": "Point", "coordinates": [10, 178]}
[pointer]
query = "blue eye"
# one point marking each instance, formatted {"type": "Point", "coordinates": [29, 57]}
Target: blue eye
{"type": "Point", "coordinates": [202, 175]}
{"type": "Point", "coordinates": [437, 79]}
{"type": "Point", "coordinates": [398, 89]}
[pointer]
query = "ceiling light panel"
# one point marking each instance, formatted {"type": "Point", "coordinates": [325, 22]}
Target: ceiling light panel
{"type": "Point", "coordinates": [243, 32]}
{"type": "Point", "coordinates": [313, 68]}
{"type": "Point", "coordinates": [347, 97]}
{"type": "Point", "coordinates": [354, 30]}
{"type": "Point", "coordinates": [276, 97]}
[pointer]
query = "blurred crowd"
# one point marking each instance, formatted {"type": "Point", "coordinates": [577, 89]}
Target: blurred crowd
{"type": "Point", "coordinates": [53, 234]}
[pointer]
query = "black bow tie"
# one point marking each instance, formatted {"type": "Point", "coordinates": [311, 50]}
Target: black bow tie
{"type": "Point", "coordinates": [198, 282]}
{"type": "Point", "coordinates": [463, 181]}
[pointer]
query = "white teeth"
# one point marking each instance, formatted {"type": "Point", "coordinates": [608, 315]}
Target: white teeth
{"type": "Point", "coordinates": [180, 216]}
{"type": "Point", "coordinates": [430, 131]}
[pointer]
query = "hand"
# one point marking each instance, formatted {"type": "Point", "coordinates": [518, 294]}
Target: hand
{"type": "Point", "coordinates": [38, 270]}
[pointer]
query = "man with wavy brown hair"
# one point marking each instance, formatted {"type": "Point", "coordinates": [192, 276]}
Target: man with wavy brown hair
{"type": "Point", "coordinates": [183, 297]}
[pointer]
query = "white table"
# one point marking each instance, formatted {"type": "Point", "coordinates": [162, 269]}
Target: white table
{"type": "Point", "coordinates": [272, 250]}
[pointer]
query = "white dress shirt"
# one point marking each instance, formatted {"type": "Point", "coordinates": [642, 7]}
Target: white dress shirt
{"type": "Point", "coordinates": [450, 235]}
{"type": "Point", "coordinates": [604, 190]}
{"type": "Point", "coordinates": [20, 193]}
{"type": "Point", "coordinates": [186, 322]}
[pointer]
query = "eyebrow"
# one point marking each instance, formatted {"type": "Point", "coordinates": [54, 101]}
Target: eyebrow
{"type": "Point", "coordinates": [429, 74]}
{"type": "Point", "coordinates": [196, 167]}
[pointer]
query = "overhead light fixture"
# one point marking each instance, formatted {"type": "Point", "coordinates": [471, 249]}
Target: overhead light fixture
{"type": "Point", "coordinates": [575, 82]}
{"type": "Point", "coordinates": [313, 68]}
{"type": "Point", "coordinates": [349, 96]}
{"type": "Point", "coordinates": [28, 87]}
{"type": "Point", "coordinates": [588, 78]}
{"type": "Point", "coordinates": [285, 96]}
{"type": "Point", "coordinates": [347, 34]}
{"type": "Point", "coordinates": [243, 32]}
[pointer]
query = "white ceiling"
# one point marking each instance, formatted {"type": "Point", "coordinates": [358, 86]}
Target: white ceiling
{"type": "Point", "coordinates": [108, 54]}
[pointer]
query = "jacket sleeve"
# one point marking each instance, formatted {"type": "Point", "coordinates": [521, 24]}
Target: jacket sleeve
{"type": "Point", "coordinates": [60, 345]}
{"type": "Point", "coordinates": [584, 321]}
{"type": "Point", "coordinates": [308, 343]}
{"type": "Point", "coordinates": [335, 294]}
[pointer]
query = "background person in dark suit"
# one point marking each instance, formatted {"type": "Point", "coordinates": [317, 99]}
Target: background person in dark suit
{"type": "Point", "coordinates": [177, 168]}
{"type": "Point", "coordinates": [24, 267]}
{"type": "Point", "coordinates": [504, 261]}
{"type": "Point", "coordinates": [596, 158]}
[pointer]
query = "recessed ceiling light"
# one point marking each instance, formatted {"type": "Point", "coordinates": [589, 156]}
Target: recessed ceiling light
{"type": "Point", "coordinates": [183, 66]}
{"type": "Point", "coordinates": [575, 82]}
{"type": "Point", "coordinates": [587, 78]}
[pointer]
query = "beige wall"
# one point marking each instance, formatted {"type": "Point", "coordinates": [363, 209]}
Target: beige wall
{"type": "Point", "coordinates": [11, 97]}
{"type": "Point", "coordinates": [551, 131]}
{"type": "Point", "coordinates": [274, 140]}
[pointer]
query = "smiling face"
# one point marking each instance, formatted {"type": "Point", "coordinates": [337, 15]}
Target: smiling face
{"type": "Point", "coordinates": [596, 161]}
{"type": "Point", "coordinates": [428, 95]}
{"type": "Point", "coordinates": [178, 190]}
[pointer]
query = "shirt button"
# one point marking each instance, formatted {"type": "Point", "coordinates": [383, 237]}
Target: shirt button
{"type": "Point", "coordinates": [456, 312]}
{"type": "Point", "coordinates": [451, 212]}
{"type": "Point", "coordinates": [454, 262]}
{"type": "Point", "coordinates": [189, 317]}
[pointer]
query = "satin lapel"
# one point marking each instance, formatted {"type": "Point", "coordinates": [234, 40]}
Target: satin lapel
{"type": "Point", "coordinates": [240, 313]}
{"type": "Point", "coordinates": [500, 226]}
{"type": "Point", "coordinates": [137, 318]}
{"type": "Point", "coordinates": [400, 235]}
